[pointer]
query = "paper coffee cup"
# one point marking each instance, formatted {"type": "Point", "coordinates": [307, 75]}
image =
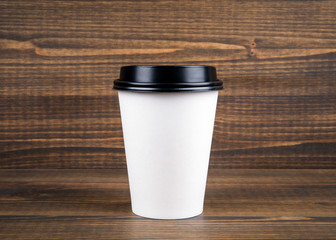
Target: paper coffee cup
{"type": "Point", "coordinates": [168, 115]}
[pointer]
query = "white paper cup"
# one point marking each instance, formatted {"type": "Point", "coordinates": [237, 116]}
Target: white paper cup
{"type": "Point", "coordinates": [167, 137]}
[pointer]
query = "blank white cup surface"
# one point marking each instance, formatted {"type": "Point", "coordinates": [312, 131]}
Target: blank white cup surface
{"type": "Point", "coordinates": [167, 139]}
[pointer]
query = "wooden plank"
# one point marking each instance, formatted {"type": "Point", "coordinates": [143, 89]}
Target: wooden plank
{"type": "Point", "coordinates": [58, 60]}
{"type": "Point", "coordinates": [239, 204]}
{"type": "Point", "coordinates": [266, 132]}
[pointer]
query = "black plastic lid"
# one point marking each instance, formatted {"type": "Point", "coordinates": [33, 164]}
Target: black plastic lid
{"type": "Point", "coordinates": [168, 79]}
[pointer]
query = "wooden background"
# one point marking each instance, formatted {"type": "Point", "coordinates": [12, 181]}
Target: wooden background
{"type": "Point", "coordinates": [58, 60]}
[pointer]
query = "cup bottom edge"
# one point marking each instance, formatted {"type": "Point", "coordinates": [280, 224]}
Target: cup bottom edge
{"type": "Point", "coordinates": [167, 218]}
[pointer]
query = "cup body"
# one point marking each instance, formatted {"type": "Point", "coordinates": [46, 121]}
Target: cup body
{"type": "Point", "coordinates": [167, 139]}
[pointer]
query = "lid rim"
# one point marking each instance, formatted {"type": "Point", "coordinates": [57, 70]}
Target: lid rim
{"type": "Point", "coordinates": [119, 82]}
{"type": "Point", "coordinates": [136, 89]}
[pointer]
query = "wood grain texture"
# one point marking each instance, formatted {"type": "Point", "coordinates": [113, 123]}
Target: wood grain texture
{"type": "Point", "coordinates": [239, 204]}
{"type": "Point", "coordinates": [58, 60]}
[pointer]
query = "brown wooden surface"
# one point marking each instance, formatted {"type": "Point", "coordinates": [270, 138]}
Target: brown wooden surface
{"type": "Point", "coordinates": [58, 60]}
{"type": "Point", "coordinates": [239, 204]}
